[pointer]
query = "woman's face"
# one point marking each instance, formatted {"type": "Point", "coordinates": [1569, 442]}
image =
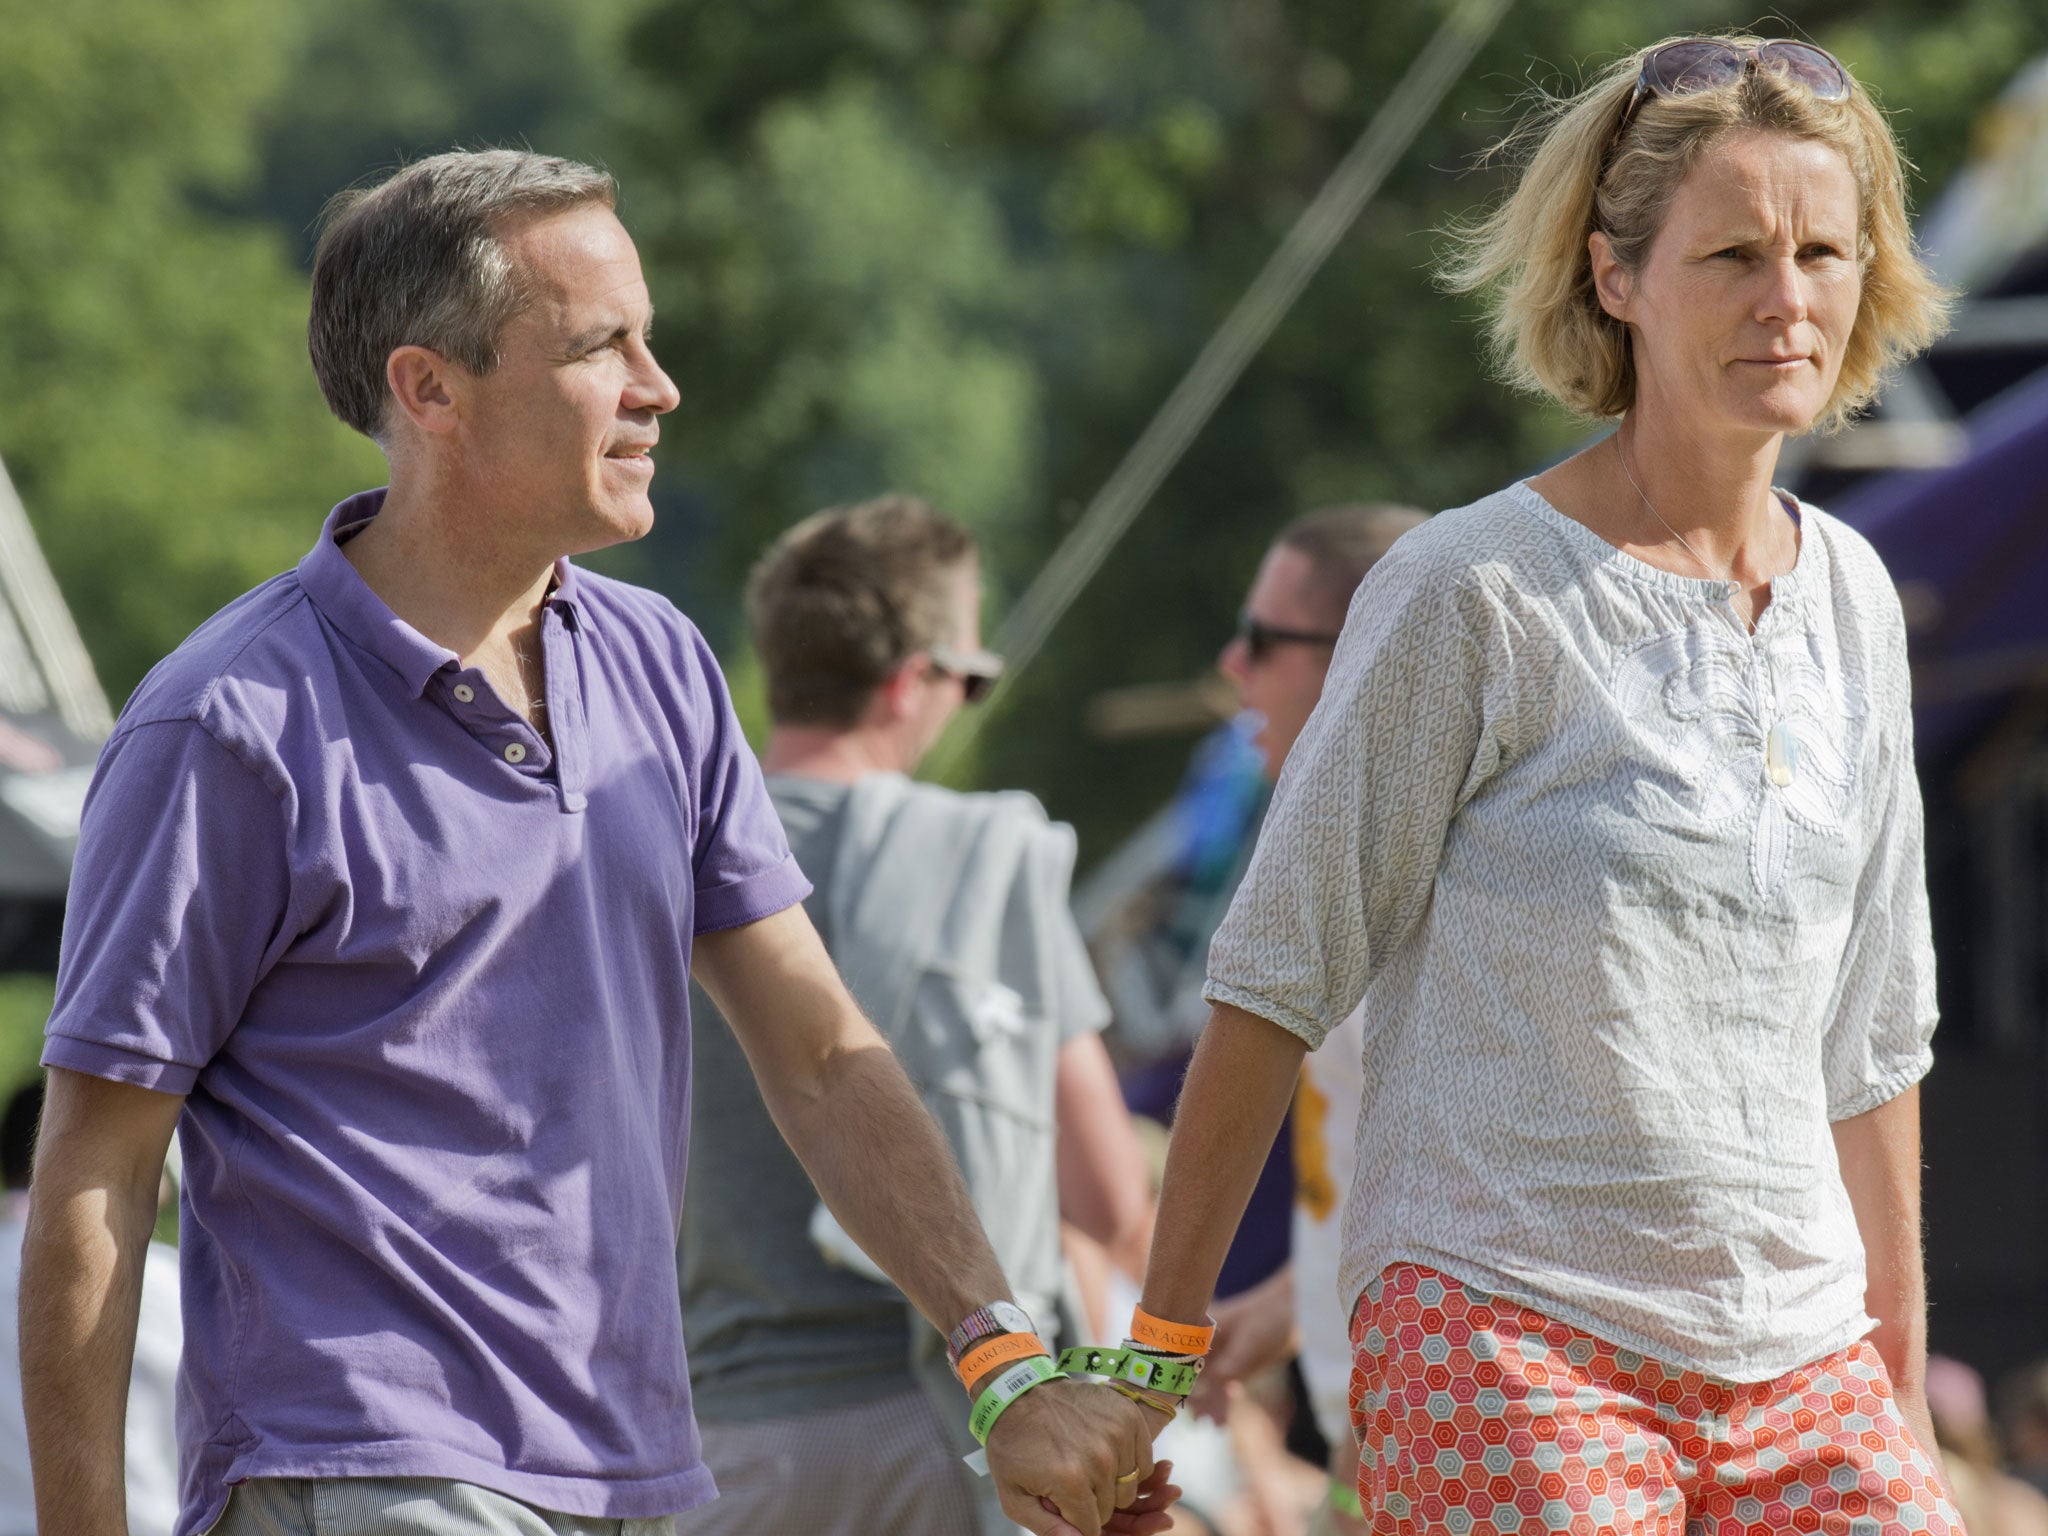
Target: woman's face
{"type": "Point", "coordinates": [1744, 302]}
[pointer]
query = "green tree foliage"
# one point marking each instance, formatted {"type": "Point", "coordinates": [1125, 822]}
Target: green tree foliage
{"type": "Point", "coordinates": [966, 248]}
{"type": "Point", "coordinates": [963, 248]}
{"type": "Point", "coordinates": [373, 83]}
{"type": "Point", "coordinates": [156, 410]}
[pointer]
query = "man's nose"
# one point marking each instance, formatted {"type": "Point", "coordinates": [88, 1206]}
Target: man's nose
{"type": "Point", "coordinates": [652, 388]}
{"type": "Point", "coordinates": [1234, 660]}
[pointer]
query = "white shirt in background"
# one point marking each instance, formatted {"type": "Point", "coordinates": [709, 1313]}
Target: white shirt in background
{"type": "Point", "coordinates": [1325, 1155]}
{"type": "Point", "coordinates": [152, 1467]}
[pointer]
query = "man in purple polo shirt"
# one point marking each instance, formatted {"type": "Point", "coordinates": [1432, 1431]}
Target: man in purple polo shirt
{"type": "Point", "coordinates": [392, 880]}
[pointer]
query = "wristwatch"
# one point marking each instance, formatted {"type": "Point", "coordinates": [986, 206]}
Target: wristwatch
{"type": "Point", "coordinates": [985, 1323]}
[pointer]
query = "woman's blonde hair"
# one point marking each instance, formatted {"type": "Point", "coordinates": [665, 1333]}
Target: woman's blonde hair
{"type": "Point", "coordinates": [1547, 331]}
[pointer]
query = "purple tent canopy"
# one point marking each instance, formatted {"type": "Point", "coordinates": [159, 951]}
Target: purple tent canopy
{"type": "Point", "coordinates": [1968, 546]}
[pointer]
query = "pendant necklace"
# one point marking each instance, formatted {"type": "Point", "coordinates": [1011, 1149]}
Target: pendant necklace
{"type": "Point", "coordinates": [1781, 744]}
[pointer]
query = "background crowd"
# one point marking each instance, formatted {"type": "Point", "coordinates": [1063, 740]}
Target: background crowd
{"type": "Point", "coordinates": [959, 250]}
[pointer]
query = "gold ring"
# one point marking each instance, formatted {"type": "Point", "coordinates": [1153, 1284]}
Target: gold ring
{"type": "Point", "coordinates": [1129, 1477]}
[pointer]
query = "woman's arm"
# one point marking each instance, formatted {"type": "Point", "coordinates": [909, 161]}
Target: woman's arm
{"type": "Point", "coordinates": [1879, 1153]}
{"type": "Point", "coordinates": [1237, 1093]}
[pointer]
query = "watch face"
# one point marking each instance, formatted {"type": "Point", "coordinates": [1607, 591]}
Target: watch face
{"type": "Point", "coordinates": [1011, 1317]}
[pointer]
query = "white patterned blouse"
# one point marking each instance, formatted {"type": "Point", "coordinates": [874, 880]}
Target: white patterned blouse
{"type": "Point", "coordinates": [1635, 904]}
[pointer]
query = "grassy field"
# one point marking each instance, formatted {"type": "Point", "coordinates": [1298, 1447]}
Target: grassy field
{"type": "Point", "coordinates": [24, 1007]}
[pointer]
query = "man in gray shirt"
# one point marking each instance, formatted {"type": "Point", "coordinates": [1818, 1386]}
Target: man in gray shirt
{"type": "Point", "coordinates": [826, 1403]}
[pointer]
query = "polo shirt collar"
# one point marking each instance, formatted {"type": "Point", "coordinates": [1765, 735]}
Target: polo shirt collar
{"type": "Point", "coordinates": [347, 602]}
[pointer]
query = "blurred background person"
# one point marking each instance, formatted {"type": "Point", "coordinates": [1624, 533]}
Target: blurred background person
{"type": "Point", "coordinates": [827, 1405]}
{"type": "Point", "coordinates": [151, 1446]}
{"type": "Point", "coordinates": [1279, 660]}
{"type": "Point", "coordinates": [2023, 1416]}
{"type": "Point", "coordinates": [1991, 1500]}
{"type": "Point", "coordinates": [1243, 1478]}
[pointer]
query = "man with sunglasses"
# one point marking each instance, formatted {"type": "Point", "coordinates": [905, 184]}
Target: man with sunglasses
{"type": "Point", "coordinates": [1281, 652]}
{"type": "Point", "coordinates": [826, 1403]}
{"type": "Point", "coordinates": [1279, 659]}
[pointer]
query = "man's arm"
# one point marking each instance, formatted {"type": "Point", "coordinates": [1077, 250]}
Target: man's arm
{"type": "Point", "coordinates": [99, 1158]}
{"type": "Point", "coordinates": [843, 1103]}
{"type": "Point", "coordinates": [1879, 1153]}
{"type": "Point", "coordinates": [1104, 1187]}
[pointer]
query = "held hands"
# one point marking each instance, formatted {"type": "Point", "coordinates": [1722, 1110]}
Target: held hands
{"type": "Point", "coordinates": [1063, 1456]}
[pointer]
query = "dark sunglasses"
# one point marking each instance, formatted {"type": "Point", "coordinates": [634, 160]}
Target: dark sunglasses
{"type": "Point", "coordinates": [1260, 638]}
{"type": "Point", "coordinates": [1705, 63]}
{"type": "Point", "coordinates": [978, 671]}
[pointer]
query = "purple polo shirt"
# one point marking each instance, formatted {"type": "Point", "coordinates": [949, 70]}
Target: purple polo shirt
{"type": "Point", "coordinates": [424, 983]}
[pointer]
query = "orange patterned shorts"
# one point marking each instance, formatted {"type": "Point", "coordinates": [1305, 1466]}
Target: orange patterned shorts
{"type": "Point", "coordinates": [1479, 1417]}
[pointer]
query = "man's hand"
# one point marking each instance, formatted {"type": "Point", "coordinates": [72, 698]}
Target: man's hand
{"type": "Point", "coordinates": [1057, 1455]}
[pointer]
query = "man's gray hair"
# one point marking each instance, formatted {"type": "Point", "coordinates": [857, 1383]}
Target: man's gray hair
{"type": "Point", "coordinates": [417, 261]}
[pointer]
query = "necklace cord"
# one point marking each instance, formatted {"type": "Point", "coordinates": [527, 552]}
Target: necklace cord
{"type": "Point", "coordinates": [1621, 453]}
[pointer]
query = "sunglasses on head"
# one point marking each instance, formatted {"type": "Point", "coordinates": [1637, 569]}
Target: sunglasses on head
{"type": "Point", "coordinates": [1261, 638]}
{"type": "Point", "coordinates": [1705, 63]}
{"type": "Point", "coordinates": [978, 671]}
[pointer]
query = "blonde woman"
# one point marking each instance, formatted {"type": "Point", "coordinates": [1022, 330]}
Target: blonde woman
{"type": "Point", "coordinates": [1608, 817]}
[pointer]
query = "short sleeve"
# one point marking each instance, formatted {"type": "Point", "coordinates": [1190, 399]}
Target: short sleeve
{"type": "Point", "coordinates": [744, 870]}
{"type": "Point", "coordinates": [178, 905]}
{"type": "Point", "coordinates": [1881, 1018]}
{"type": "Point", "coordinates": [1346, 861]}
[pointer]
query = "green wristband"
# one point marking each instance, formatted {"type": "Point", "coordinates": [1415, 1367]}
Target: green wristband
{"type": "Point", "coordinates": [1012, 1383]}
{"type": "Point", "coordinates": [1176, 1378]}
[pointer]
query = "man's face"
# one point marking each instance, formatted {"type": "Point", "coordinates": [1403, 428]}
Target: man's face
{"type": "Point", "coordinates": [940, 695]}
{"type": "Point", "coordinates": [1282, 684]}
{"type": "Point", "coordinates": [561, 431]}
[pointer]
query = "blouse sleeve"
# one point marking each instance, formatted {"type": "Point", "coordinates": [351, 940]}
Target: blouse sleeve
{"type": "Point", "coordinates": [1347, 859]}
{"type": "Point", "coordinates": [1881, 1018]}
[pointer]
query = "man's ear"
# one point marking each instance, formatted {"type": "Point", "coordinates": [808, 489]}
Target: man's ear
{"type": "Point", "coordinates": [896, 695]}
{"type": "Point", "coordinates": [1613, 283]}
{"type": "Point", "coordinates": [425, 386]}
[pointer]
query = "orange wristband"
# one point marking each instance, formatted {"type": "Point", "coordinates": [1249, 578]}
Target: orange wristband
{"type": "Point", "coordinates": [1000, 1350]}
{"type": "Point", "coordinates": [1175, 1338]}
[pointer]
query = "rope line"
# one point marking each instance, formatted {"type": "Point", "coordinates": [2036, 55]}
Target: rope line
{"type": "Point", "coordinates": [1230, 350]}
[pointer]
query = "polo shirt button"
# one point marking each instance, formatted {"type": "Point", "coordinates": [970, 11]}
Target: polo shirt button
{"type": "Point", "coordinates": [464, 694]}
{"type": "Point", "coordinates": [515, 753]}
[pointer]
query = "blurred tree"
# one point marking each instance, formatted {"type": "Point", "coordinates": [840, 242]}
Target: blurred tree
{"type": "Point", "coordinates": [373, 83]}
{"type": "Point", "coordinates": [963, 248]}
{"type": "Point", "coordinates": [156, 410]}
{"type": "Point", "coordinates": [966, 247]}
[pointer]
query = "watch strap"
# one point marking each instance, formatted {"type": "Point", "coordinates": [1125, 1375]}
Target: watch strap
{"type": "Point", "coordinates": [984, 1323]}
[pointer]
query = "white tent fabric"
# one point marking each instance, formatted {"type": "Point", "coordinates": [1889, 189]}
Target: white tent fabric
{"type": "Point", "coordinates": [53, 715]}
